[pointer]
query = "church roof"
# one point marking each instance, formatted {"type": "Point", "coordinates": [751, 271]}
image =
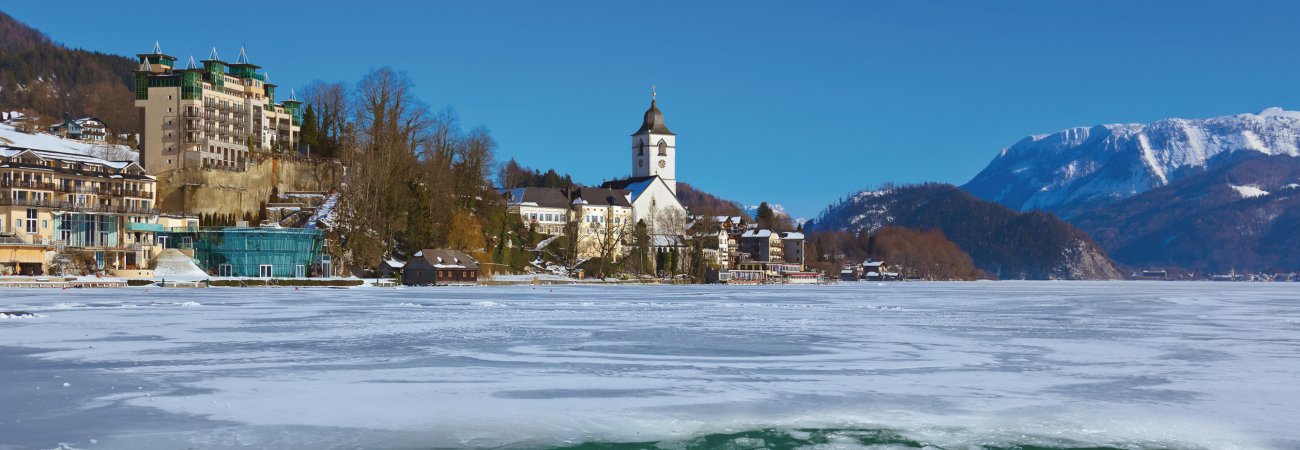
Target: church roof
{"type": "Point", "coordinates": [653, 122]}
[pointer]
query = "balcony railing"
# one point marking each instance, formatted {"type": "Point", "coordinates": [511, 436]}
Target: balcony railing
{"type": "Point", "coordinates": [78, 207]}
{"type": "Point", "coordinates": [25, 184]}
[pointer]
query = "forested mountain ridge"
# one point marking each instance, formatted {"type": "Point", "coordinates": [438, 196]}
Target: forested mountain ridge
{"type": "Point", "coordinates": [53, 81]}
{"type": "Point", "coordinates": [1001, 242]}
{"type": "Point", "coordinates": [1245, 215]}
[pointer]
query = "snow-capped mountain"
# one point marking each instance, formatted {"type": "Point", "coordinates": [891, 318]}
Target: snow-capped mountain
{"type": "Point", "coordinates": [777, 208]}
{"type": "Point", "coordinates": [1077, 169]}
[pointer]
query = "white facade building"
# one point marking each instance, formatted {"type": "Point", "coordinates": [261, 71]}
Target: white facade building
{"type": "Point", "coordinates": [653, 185]}
{"type": "Point", "coordinates": [654, 149]}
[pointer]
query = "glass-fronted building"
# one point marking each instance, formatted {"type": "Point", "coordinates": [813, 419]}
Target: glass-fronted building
{"type": "Point", "coordinates": [252, 251]}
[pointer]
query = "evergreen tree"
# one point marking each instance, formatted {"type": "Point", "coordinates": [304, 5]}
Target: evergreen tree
{"type": "Point", "coordinates": [309, 135]}
{"type": "Point", "coordinates": [765, 217]}
{"type": "Point", "coordinates": [641, 241]}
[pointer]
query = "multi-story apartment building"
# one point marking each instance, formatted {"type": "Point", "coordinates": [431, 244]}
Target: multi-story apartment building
{"type": "Point", "coordinates": [545, 210]}
{"type": "Point", "coordinates": [601, 217]}
{"type": "Point", "coordinates": [604, 221]}
{"type": "Point", "coordinates": [218, 115]}
{"type": "Point", "coordinates": [51, 200]}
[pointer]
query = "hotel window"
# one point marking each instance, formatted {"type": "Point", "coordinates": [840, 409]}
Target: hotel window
{"type": "Point", "coordinates": [31, 220]}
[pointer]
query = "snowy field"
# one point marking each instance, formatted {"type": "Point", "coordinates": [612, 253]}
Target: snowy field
{"type": "Point", "coordinates": [904, 365]}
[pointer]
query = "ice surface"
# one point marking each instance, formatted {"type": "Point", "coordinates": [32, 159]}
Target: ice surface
{"type": "Point", "coordinates": [1125, 364]}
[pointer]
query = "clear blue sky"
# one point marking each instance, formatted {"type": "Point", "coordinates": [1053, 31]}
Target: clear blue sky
{"type": "Point", "coordinates": [797, 103]}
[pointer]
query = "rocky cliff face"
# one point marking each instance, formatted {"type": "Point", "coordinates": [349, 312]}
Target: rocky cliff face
{"type": "Point", "coordinates": [1078, 169]}
{"type": "Point", "coordinates": [1000, 241]}
{"type": "Point", "coordinates": [228, 192]}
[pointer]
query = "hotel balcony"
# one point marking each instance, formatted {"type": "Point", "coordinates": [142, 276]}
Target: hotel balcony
{"type": "Point", "coordinates": [77, 207]}
{"type": "Point", "coordinates": [24, 184]}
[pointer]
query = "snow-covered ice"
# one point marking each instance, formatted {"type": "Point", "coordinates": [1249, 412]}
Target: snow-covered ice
{"type": "Point", "coordinates": [953, 365]}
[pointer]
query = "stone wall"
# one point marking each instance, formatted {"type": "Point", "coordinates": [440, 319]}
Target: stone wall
{"type": "Point", "coordinates": [208, 191]}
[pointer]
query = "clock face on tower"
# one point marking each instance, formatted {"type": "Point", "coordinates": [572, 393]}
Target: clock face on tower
{"type": "Point", "coordinates": [662, 164]}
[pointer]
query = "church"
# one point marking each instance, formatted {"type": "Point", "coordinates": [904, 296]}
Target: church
{"type": "Point", "coordinates": [649, 195]}
{"type": "Point", "coordinates": [653, 185]}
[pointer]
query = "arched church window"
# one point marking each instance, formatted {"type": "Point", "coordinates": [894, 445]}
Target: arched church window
{"type": "Point", "coordinates": [663, 148]}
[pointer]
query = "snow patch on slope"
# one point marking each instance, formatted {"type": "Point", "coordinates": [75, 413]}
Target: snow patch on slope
{"type": "Point", "coordinates": [9, 136]}
{"type": "Point", "coordinates": [1249, 191]}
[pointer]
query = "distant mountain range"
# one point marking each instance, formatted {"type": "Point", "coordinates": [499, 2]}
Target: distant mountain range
{"type": "Point", "coordinates": [1079, 169]}
{"type": "Point", "coordinates": [1001, 242]}
{"type": "Point", "coordinates": [1210, 194]}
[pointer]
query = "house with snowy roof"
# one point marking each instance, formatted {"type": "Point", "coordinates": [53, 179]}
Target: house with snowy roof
{"type": "Point", "coordinates": [440, 267]}
{"type": "Point", "coordinates": [90, 129]}
{"type": "Point", "coordinates": [601, 217]}
{"type": "Point", "coordinates": [546, 210]}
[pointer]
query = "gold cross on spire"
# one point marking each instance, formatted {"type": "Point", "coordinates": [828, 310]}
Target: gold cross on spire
{"type": "Point", "coordinates": [652, 92]}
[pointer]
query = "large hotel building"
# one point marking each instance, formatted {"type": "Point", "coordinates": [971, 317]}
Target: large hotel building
{"type": "Point", "coordinates": [51, 200]}
{"type": "Point", "coordinates": [213, 117]}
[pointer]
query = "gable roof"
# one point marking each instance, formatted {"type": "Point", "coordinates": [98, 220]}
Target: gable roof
{"type": "Point", "coordinates": [601, 197]}
{"type": "Point", "coordinates": [115, 167]}
{"type": "Point", "coordinates": [441, 258]}
{"type": "Point", "coordinates": [543, 197]}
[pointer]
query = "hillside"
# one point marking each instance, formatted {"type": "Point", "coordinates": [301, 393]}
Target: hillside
{"type": "Point", "coordinates": [51, 80]}
{"type": "Point", "coordinates": [1244, 215]}
{"type": "Point", "coordinates": [1078, 169]}
{"type": "Point", "coordinates": [1001, 242]}
{"type": "Point", "coordinates": [44, 141]}
{"type": "Point", "coordinates": [700, 202]}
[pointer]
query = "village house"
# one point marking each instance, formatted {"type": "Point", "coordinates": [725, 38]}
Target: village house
{"type": "Point", "coordinates": [546, 210]}
{"type": "Point", "coordinates": [440, 267]}
{"type": "Point", "coordinates": [89, 129]}
{"type": "Point", "coordinates": [602, 217]}
{"type": "Point", "coordinates": [604, 221]}
{"type": "Point", "coordinates": [792, 247]}
{"type": "Point", "coordinates": [761, 246]}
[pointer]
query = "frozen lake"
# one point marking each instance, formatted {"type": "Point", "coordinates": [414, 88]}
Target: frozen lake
{"type": "Point", "coordinates": [902, 365]}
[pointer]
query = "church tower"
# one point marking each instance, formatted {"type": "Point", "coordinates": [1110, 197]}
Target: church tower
{"type": "Point", "coordinates": [654, 148]}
